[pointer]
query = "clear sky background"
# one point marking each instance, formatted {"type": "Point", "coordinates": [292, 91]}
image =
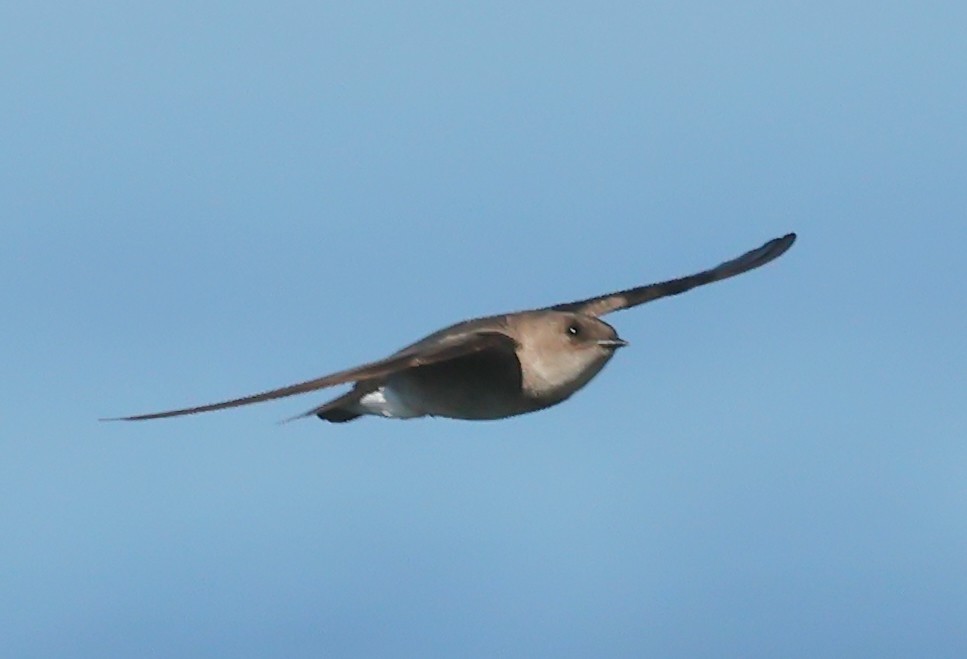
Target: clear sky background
{"type": "Point", "coordinates": [200, 200]}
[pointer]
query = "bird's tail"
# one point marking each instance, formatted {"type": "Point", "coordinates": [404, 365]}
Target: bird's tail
{"type": "Point", "coordinates": [337, 415]}
{"type": "Point", "coordinates": [339, 410]}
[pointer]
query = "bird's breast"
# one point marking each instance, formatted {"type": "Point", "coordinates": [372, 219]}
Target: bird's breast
{"type": "Point", "coordinates": [554, 375]}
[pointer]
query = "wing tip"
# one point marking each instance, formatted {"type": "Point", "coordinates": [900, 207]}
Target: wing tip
{"type": "Point", "coordinates": [786, 241]}
{"type": "Point", "coordinates": [775, 248]}
{"type": "Point", "coordinates": [140, 417]}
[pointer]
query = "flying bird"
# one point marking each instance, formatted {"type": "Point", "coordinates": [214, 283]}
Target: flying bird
{"type": "Point", "coordinates": [493, 367]}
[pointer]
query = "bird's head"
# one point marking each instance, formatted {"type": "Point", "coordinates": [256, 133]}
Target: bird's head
{"type": "Point", "coordinates": [561, 351]}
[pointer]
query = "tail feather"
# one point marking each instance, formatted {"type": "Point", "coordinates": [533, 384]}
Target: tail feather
{"type": "Point", "coordinates": [338, 415]}
{"type": "Point", "coordinates": [339, 410]}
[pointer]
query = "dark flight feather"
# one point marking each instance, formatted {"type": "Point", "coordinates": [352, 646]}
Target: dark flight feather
{"type": "Point", "coordinates": [416, 355]}
{"type": "Point", "coordinates": [603, 304]}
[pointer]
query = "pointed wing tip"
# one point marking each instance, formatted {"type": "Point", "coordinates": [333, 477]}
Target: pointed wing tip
{"type": "Point", "coordinates": [786, 241]}
{"type": "Point", "coordinates": [776, 247]}
{"type": "Point", "coordinates": [155, 415]}
{"type": "Point", "coordinates": [297, 417]}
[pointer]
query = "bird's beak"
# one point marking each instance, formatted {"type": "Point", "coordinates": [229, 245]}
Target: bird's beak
{"type": "Point", "coordinates": [614, 344]}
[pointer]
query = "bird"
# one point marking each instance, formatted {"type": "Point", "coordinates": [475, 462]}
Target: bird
{"type": "Point", "coordinates": [492, 367]}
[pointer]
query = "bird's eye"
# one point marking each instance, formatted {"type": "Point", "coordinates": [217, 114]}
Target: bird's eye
{"type": "Point", "coordinates": [574, 329]}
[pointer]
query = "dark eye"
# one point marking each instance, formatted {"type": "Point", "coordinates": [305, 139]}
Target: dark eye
{"type": "Point", "coordinates": [574, 329]}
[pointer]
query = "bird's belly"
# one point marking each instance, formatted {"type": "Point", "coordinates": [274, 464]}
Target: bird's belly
{"type": "Point", "coordinates": [476, 387]}
{"type": "Point", "coordinates": [456, 399]}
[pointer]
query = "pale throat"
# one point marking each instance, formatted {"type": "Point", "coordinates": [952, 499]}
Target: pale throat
{"type": "Point", "coordinates": [557, 372]}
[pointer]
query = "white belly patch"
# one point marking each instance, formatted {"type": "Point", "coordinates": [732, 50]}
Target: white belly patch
{"type": "Point", "coordinates": [387, 403]}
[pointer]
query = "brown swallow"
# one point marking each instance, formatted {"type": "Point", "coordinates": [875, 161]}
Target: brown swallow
{"type": "Point", "coordinates": [493, 367]}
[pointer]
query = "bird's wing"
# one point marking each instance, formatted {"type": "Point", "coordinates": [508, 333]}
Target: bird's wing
{"type": "Point", "coordinates": [602, 304]}
{"type": "Point", "coordinates": [414, 356]}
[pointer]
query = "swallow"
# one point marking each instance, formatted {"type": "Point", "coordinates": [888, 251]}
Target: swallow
{"type": "Point", "coordinates": [493, 367]}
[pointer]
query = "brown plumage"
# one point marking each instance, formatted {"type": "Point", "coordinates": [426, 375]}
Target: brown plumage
{"type": "Point", "coordinates": [494, 367]}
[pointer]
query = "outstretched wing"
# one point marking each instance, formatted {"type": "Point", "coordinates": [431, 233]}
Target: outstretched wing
{"type": "Point", "coordinates": [416, 355]}
{"type": "Point", "coordinates": [602, 304]}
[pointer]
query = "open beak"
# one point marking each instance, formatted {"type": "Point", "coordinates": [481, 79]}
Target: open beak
{"type": "Point", "coordinates": [614, 344]}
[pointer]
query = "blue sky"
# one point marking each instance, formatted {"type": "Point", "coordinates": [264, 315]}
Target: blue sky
{"type": "Point", "coordinates": [203, 200]}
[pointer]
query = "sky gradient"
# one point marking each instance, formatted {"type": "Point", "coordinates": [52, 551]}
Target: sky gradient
{"type": "Point", "coordinates": [204, 200]}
